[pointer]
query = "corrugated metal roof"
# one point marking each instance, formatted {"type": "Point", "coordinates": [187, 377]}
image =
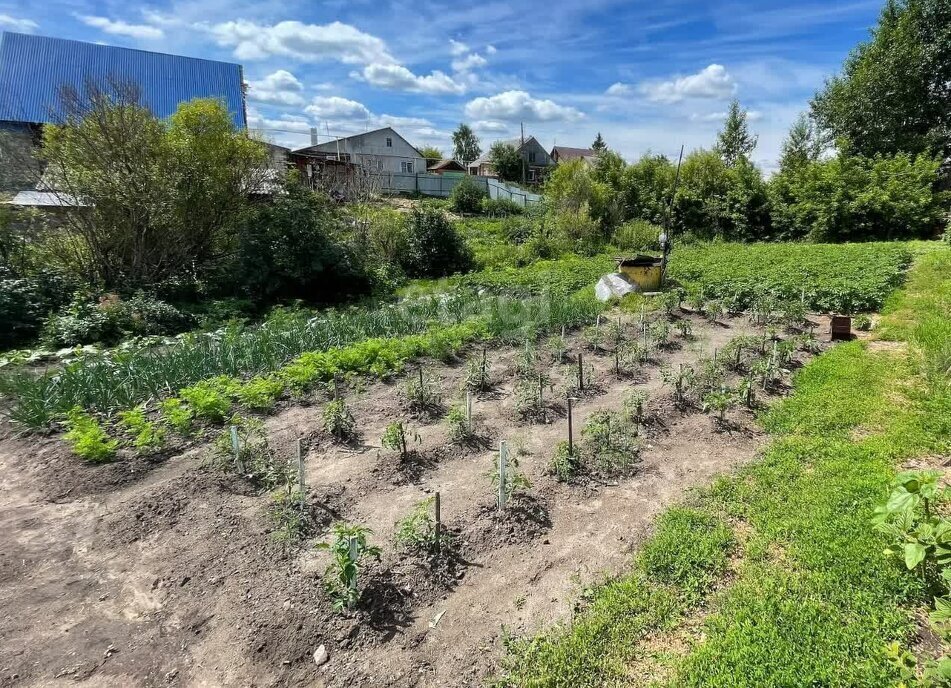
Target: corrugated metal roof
{"type": "Point", "coordinates": [33, 69]}
{"type": "Point", "coordinates": [45, 199]}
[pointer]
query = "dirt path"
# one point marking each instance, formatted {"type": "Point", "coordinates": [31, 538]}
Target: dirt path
{"type": "Point", "coordinates": [170, 576]}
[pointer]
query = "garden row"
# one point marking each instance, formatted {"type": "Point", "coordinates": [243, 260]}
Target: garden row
{"type": "Point", "coordinates": [776, 576]}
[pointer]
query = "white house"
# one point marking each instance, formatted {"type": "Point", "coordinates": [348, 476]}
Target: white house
{"type": "Point", "coordinates": [381, 150]}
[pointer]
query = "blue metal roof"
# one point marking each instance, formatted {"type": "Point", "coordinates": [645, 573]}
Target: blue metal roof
{"type": "Point", "coordinates": [33, 69]}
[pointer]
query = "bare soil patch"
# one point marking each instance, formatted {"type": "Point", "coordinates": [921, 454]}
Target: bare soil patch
{"type": "Point", "coordinates": [166, 572]}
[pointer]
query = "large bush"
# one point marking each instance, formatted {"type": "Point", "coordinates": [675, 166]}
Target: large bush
{"type": "Point", "coordinates": [293, 248]}
{"type": "Point", "coordinates": [852, 198]}
{"type": "Point", "coordinates": [25, 303]}
{"type": "Point", "coordinates": [110, 319]}
{"type": "Point", "coordinates": [434, 247]}
{"type": "Point", "coordinates": [467, 196]}
{"type": "Point", "coordinates": [637, 235]}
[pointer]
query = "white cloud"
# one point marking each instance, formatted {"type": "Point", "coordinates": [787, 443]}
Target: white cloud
{"type": "Point", "coordinates": [457, 47]}
{"type": "Point", "coordinates": [490, 49]}
{"type": "Point", "coordinates": [337, 108]}
{"type": "Point", "coordinates": [307, 42]}
{"type": "Point", "coordinates": [399, 78]}
{"type": "Point", "coordinates": [490, 126]}
{"type": "Point", "coordinates": [619, 89]}
{"type": "Point", "coordinates": [21, 25]}
{"type": "Point", "coordinates": [518, 105]}
{"type": "Point", "coordinates": [751, 115]}
{"type": "Point", "coordinates": [278, 88]}
{"type": "Point", "coordinates": [470, 61]}
{"type": "Point", "coordinates": [121, 28]}
{"type": "Point", "coordinates": [711, 82]}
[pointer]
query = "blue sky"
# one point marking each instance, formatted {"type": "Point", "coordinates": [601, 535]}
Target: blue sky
{"type": "Point", "coordinates": [648, 76]}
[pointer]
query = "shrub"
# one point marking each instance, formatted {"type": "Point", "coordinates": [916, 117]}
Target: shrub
{"type": "Point", "coordinates": [87, 439]}
{"type": "Point", "coordinates": [110, 319]}
{"type": "Point", "coordinates": [637, 235]}
{"type": "Point", "coordinates": [501, 207]}
{"type": "Point", "coordinates": [467, 196]}
{"type": "Point", "coordinates": [434, 247]}
{"type": "Point", "coordinates": [26, 302]}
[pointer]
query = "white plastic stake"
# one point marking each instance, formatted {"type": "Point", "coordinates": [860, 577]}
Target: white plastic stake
{"type": "Point", "coordinates": [354, 553]}
{"type": "Point", "coordinates": [300, 473]}
{"type": "Point", "coordinates": [469, 409]}
{"type": "Point", "coordinates": [236, 448]}
{"type": "Point", "coordinates": [503, 458]}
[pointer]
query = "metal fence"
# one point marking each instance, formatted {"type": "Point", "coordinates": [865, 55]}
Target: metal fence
{"type": "Point", "coordinates": [442, 185]}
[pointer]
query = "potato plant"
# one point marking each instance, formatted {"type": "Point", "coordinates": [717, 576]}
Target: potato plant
{"type": "Point", "coordinates": [349, 549]}
{"type": "Point", "coordinates": [260, 392]}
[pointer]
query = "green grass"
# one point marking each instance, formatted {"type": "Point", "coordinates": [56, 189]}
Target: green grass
{"type": "Point", "coordinates": [813, 600]}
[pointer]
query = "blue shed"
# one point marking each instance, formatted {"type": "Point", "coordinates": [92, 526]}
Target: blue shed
{"type": "Point", "coordinates": [33, 69]}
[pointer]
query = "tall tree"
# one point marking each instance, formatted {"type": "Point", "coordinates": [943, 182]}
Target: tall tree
{"type": "Point", "coordinates": [430, 153]}
{"type": "Point", "coordinates": [894, 92]}
{"type": "Point", "coordinates": [506, 161]}
{"type": "Point", "coordinates": [803, 144]}
{"type": "Point", "coordinates": [465, 144]}
{"type": "Point", "coordinates": [735, 140]}
{"type": "Point", "coordinates": [599, 144]}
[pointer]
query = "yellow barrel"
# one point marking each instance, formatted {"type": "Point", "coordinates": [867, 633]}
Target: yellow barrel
{"type": "Point", "coordinates": [644, 271]}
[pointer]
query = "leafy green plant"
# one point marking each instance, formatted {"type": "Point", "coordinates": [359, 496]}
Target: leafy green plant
{"type": "Point", "coordinates": [417, 532]}
{"type": "Point", "coordinates": [260, 392]}
{"type": "Point", "coordinates": [146, 434]}
{"type": "Point", "coordinates": [719, 402]}
{"type": "Point", "coordinates": [178, 416]}
{"type": "Point", "coordinates": [633, 407]}
{"type": "Point", "coordinates": [209, 399]}
{"type": "Point", "coordinates": [684, 328]}
{"type": "Point", "coordinates": [557, 349]}
{"type": "Point", "coordinates": [254, 459]}
{"type": "Point", "coordinates": [862, 323]}
{"type": "Point", "coordinates": [593, 337]}
{"type": "Point", "coordinates": [423, 393]}
{"type": "Point", "coordinates": [348, 549]}
{"type": "Point", "coordinates": [530, 397]}
{"type": "Point", "coordinates": [565, 463]}
{"type": "Point", "coordinates": [682, 379]}
{"type": "Point", "coordinates": [478, 378]}
{"type": "Point", "coordinates": [460, 427]}
{"type": "Point", "coordinates": [513, 481]}
{"type": "Point", "coordinates": [609, 442]}
{"type": "Point", "coordinates": [339, 421]}
{"type": "Point", "coordinates": [87, 438]}
{"type": "Point", "coordinates": [932, 673]}
{"type": "Point", "coordinates": [394, 438]}
{"type": "Point", "coordinates": [286, 516]}
{"type": "Point", "coordinates": [527, 360]}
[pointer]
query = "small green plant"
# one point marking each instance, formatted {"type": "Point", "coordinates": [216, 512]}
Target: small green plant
{"type": "Point", "coordinates": [348, 549]}
{"type": "Point", "coordinates": [460, 427]}
{"type": "Point", "coordinates": [526, 363]}
{"type": "Point", "coordinates": [684, 328]}
{"type": "Point", "coordinates": [746, 391]}
{"type": "Point", "coordinates": [394, 437]}
{"type": "Point", "coordinates": [417, 532]}
{"type": "Point", "coordinates": [932, 673]}
{"type": "Point", "coordinates": [633, 407]}
{"type": "Point", "coordinates": [709, 376]}
{"type": "Point", "coordinates": [659, 333]}
{"type": "Point", "coordinates": [87, 438]}
{"type": "Point", "coordinates": [253, 457]}
{"type": "Point", "coordinates": [714, 310]}
{"type": "Point", "coordinates": [565, 463]}
{"type": "Point", "coordinates": [682, 379]}
{"type": "Point", "coordinates": [146, 435]}
{"type": "Point", "coordinates": [477, 374]}
{"type": "Point", "coordinates": [793, 313]}
{"type": "Point", "coordinates": [512, 481]}
{"type": "Point", "coordinates": [178, 416]}
{"type": "Point", "coordinates": [609, 442]}
{"type": "Point", "coordinates": [260, 392]}
{"type": "Point", "coordinates": [720, 403]}
{"type": "Point", "coordinates": [670, 300]}
{"type": "Point", "coordinates": [209, 399]}
{"type": "Point", "coordinates": [339, 421]}
{"type": "Point", "coordinates": [593, 337]}
{"type": "Point", "coordinates": [862, 322]}
{"type": "Point", "coordinates": [557, 349]}
{"type": "Point", "coordinates": [287, 518]}
{"type": "Point", "coordinates": [423, 393]}
{"type": "Point", "coordinates": [530, 397]}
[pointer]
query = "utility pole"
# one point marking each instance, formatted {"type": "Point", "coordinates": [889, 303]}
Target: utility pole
{"type": "Point", "coordinates": [521, 153]}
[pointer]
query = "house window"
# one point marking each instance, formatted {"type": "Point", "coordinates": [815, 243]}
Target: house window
{"type": "Point", "coordinates": [531, 156]}
{"type": "Point", "coordinates": [389, 142]}
{"type": "Point", "coordinates": [407, 166]}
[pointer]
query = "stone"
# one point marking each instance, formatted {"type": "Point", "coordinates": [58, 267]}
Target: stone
{"type": "Point", "coordinates": [321, 656]}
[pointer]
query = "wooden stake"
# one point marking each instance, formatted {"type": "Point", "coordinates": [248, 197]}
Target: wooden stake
{"type": "Point", "coordinates": [300, 473]}
{"type": "Point", "coordinates": [580, 374]}
{"type": "Point", "coordinates": [503, 451]}
{"type": "Point", "coordinates": [571, 436]}
{"type": "Point", "coordinates": [438, 530]}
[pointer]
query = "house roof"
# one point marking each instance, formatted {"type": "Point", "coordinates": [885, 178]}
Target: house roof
{"type": "Point", "coordinates": [332, 144]}
{"type": "Point", "coordinates": [447, 165]}
{"type": "Point", "coordinates": [568, 153]}
{"type": "Point", "coordinates": [45, 199]}
{"type": "Point", "coordinates": [34, 69]}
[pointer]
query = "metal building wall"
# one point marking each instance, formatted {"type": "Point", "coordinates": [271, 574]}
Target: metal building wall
{"type": "Point", "coordinates": [34, 68]}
